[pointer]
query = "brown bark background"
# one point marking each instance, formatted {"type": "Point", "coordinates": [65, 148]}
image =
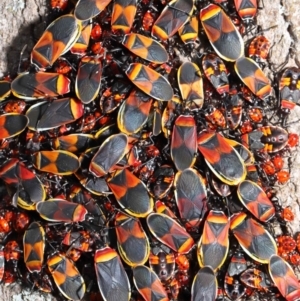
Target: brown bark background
{"type": "Point", "coordinates": [20, 23]}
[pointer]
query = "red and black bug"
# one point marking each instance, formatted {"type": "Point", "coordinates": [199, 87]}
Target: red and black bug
{"type": "Point", "coordinates": [233, 287]}
{"type": "Point", "coordinates": [255, 240]}
{"type": "Point", "coordinates": [15, 106]}
{"type": "Point", "coordinates": [131, 193]}
{"type": "Point", "coordinates": [48, 115]}
{"type": "Point", "coordinates": [222, 34]}
{"type": "Point", "coordinates": [58, 210]}
{"type": "Point", "coordinates": [27, 186]}
{"type": "Point", "coordinates": [172, 18]}
{"type": "Point", "coordinates": [123, 15]}
{"type": "Point", "coordinates": [133, 244]}
{"type": "Point", "coordinates": [112, 279]}
{"type": "Point", "coordinates": [191, 86]}
{"type": "Point", "coordinates": [270, 139]}
{"type": "Point", "coordinates": [162, 263]}
{"type": "Point", "coordinates": [284, 278]}
{"type": "Point", "coordinates": [253, 77]}
{"type": "Point", "coordinates": [134, 112]}
{"type": "Point", "coordinates": [149, 81]}
{"type": "Point", "coordinates": [259, 50]}
{"type": "Point", "coordinates": [169, 232]}
{"type": "Point", "coordinates": [81, 45]}
{"type": "Point", "coordinates": [33, 247]}
{"type": "Point", "coordinates": [204, 284]}
{"type": "Point", "coordinates": [286, 244]}
{"type": "Point", "coordinates": [216, 72]}
{"type": "Point", "coordinates": [58, 162]}
{"type": "Point", "coordinates": [97, 186]}
{"type": "Point", "coordinates": [214, 240]}
{"type": "Point", "coordinates": [253, 197]}
{"type": "Point", "coordinates": [74, 143]}
{"type": "Point", "coordinates": [237, 265]}
{"type": "Point", "coordinates": [148, 284]}
{"type": "Point", "coordinates": [189, 31]}
{"type": "Point", "coordinates": [247, 10]}
{"type": "Point", "coordinates": [66, 277]}
{"type": "Point", "coordinates": [88, 79]}
{"type": "Point", "coordinates": [222, 159]}
{"type": "Point", "coordinates": [146, 48]}
{"type": "Point", "coordinates": [190, 196]}
{"type": "Point", "coordinates": [40, 85]}
{"type": "Point", "coordinates": [256, 279]}
{"type": "Point", "coordinates": [161, 181]}
{"type": "Point", "coordinates": [55, 41]}
{"type": "Point", "coordinates": [215, 118]}
{"type": "Point", "coordinates": [184, 142]}
{"type": "Point", "coordinates": [12, 251]}
{"type": "Point", "coordinates": [289, 87]}
{"type": "Point", "coordinates": [78, 240]}
{"type": "Point", "coordinates": [88, 9]}
{"type": "Point", "coordinates": [111, 151]}
{"type": "Point", "coordinates": [12, 124]}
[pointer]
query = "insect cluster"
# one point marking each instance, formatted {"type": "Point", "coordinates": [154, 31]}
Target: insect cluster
{"type": "Point", "coordinates": [139, 154]}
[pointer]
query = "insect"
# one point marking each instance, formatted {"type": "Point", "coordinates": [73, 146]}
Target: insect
{"type": "Point", "coordinates": [191, 86]}
{"type": "Point", "coordinates": [88, 9]}
{"type": "Point", "coordinates": [133, 244]}
{"type": "Point", "coordinates": [190, 196]}
{"type": "Point", "coordinates": [284, 278]}
{"type": "Point", "coordinates": [131, 193]}
{"type": "Point", "coordinates": [247, 10]}
{"type": "Point", "coordinates": [253, 77]}
{"type": "Point", "coordinates": [189, 31]}
{"type": "Point", "coordinates": [74, 143]}
{"type": "Point", "coordinates": [81, 45]}
{"type": "Point", "coordinates": [112, 279]}
{"type": "Point", "coordinates": [88, 79]}
{"type": "Point", "coordinates": [66, 277]}
{"type": "Point", "coordinates": [12, 124]}
{"type": "Point", "coordinates": [55, 41]}
{"type": "Point", "coordinates": [40, 85]}
{"type": "Point", "coordinates": [48, 115]}
{"type": "Point", "coordinates": [216, 72]}
{"type": "Point", "coordinates": [27, 186]}
{"type": "Point", "coordinates": [259, 50]}
{"type": "Point", "coordinates": [148, 284]}
{"type": "Point", "coordinates": [33, 247]}
{"type": "Point", "coordinates": [111, 151]}
{"type": "Point", "coordinates": [146, 48]}
{"type": "Point", "coordinates": [184, 142]}
{"type": "Point", "coordinates": [58, 162]}
{"type": "Point", "coordinates": [214, 244]}
{"type": "Point", "coordinates": [149, 81]}
{"type": "Point", "coordinates": [172, 18]}
{"type": "Point", "coordinates": [123, 14]}
{"type": "Point", "coordinates": [134, 112]}
{"type": "Point", "coordinates": [254, 239]}
{"type": "Point", "coordinates": [255, 200]}
{"type": "Point", "coordinates": [58, 210]}
{"type": "Point", "coordinates": [222, 159]}
{"type": "Point", "coordinates": [5, 89]}
{"type": "Point", "coordinates": [204, 285]}
{"type": "Point", "coordinates": [221, 33]}
{"type": "Point", "coordinates": [169, 232]}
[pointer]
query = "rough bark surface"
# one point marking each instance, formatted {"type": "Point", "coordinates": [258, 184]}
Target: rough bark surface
{"type": "Point", "coordinates": [279, 20]}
